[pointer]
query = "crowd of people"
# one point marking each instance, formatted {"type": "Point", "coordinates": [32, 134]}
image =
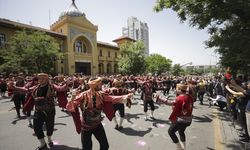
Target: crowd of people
{"type": "Point", "coordinates": [108, 94]}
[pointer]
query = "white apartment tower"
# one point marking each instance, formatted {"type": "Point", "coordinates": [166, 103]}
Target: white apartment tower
{"type": "Point", "coordinates": [138, 31]}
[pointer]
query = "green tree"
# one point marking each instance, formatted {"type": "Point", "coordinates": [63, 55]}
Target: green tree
{"type": "Point", "coordinates": [177, 70]}
{"type": "Point", "coordinates": [157, 63]}
{"type": "Point", "coordinates": [132, 59]}
{"type": "Point", "coordinates": [31, 52]}
{"type": "Point", "coordinates": [228, 23]}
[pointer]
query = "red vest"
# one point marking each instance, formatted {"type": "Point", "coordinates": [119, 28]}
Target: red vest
{"type": "Point", "coordinates": [183, 107]}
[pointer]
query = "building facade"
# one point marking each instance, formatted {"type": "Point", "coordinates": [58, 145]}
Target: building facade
{"type": "Point", "coordinates": [138, 31]}
{"type": "Point", "coordinates": [77, 38]}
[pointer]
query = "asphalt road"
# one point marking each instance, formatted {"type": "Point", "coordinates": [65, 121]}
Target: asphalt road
{"type": "Point", "coordinates": [210, 130]}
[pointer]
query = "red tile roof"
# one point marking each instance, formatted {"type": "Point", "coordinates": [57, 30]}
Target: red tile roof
{"type": "Point", "coordinates": [122, 38]}
{"type": "Point", "coordinates": [107, 45]}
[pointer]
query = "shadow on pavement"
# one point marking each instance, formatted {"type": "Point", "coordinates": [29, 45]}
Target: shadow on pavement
{"type": "Point", "coordinates": [66, 116]}
{"type": "Point", "coordinates": [64, 147]}
{"type": "Point", "coordinates": [18, 119]}
{"type": "Point", "coordinates": [227, 117]}
{"type": "Point", "coordinates": [131, 132]}
{"type": "Point", "coordinates": [203, 118]}
{"type": "Point", "coordinates": [234, 145]}
{"type": "Point", "coordinates": [8, 101]}
{"type": "Point", "coordinates": [209, 148]}
{"type": "Point", "coordinates": [128, 117]}
{"type": "Point", "coordinates": [63, 124]}
{"type": "Point", "coordinates": [135, 103]}
{"type": "Point", "coordinates": [222, 115]}
{"type": "Point", "coordinates": [159, 121]}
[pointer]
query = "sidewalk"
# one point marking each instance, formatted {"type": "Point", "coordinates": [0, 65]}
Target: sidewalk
{"type": "Point", "coordinates": [229, 132]}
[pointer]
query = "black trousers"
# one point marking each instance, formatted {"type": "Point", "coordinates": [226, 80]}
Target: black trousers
{"type": "Point", "coordinates": [39, 119]}
{"type": "Point", "coordinates": [99, 134]}
{"type": "Point", "coordinates": [120, 108]}
{"type": "Point", "coordinates": [222, 104]}
{"type": "Point", "coordinates": [180, 127]}
{"type": "Point", "coordinates": [166, 90]}
{"type": "Point", "coordinates": [151, 104]}
{"type": "Point", "coordinates": [18, 101]}
{"type": "Point", "coordinates": [243, 122]}
{"type": "Point", "coordinates": [200, 96]}
{"type": "Point", "coordinates": [234, 111]}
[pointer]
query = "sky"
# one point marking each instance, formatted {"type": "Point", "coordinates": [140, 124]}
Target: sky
{"type": "Point", "coordinates": [167, 35]}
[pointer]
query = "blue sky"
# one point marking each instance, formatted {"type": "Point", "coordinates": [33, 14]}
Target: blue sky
{"type": "Point", "coordinates": [167, 36]}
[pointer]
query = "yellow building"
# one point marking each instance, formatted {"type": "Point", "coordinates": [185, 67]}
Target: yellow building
{"type": "Point", "coordinates": [78, 41]}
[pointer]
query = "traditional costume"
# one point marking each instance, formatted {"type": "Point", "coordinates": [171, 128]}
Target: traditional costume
{"type": "Point", "coordinates": [147, 96]}
{"type": "Point", "coordinates": [181, 116]}
{"type": "Point", "coordinates": [43, 98]}
{"type": "Point", "coordinates": [118, 89]}
{"type": "Point", "coordinates": [62, 95]}
{"type": "Point", "coordinates": [18, 97]}
{"type": "Point", "coordinates": [91, 103]}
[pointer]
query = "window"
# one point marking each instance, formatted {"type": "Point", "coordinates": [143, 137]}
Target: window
{"type": "Point", "coordinates": [78, 47]}
{"type": "Point", "coordinates": [108, 53]}
{"type": "Point", "coordinates": [116, 68]}
{"type": "Point", "coordinates": [101, 68]}
{"type": "Point", "coordinates": [137, 34]}
{"type": "Point", "coordinates": [108, 68]}
{"type": "Point", "coordinates": [115, 54]}
{"type": "Point", "coordinates": [2, 39]}
{"type": "Point", "coordinates": [100, 52]}
{"type": "Point", "coordinates": [84, 48]}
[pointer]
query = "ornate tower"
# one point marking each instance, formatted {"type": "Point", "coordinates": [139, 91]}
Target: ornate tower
{"type": "Point", "coordinates": [80, 47]}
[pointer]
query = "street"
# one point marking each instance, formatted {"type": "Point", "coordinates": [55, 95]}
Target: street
{"type": "Point", "coordinates": [210, 130]}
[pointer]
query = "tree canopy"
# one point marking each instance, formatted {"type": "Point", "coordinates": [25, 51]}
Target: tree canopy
{"type": "Point", "coordinates": [132, 60]}
{"type": "Point", "coordinates": [227, 21]}
{"type": "Point", "coordinates": [177, 70]}
{"type": "Point", "coordinates": [30, 52]}
{"type": "Point", "coordinates": [158, 64]}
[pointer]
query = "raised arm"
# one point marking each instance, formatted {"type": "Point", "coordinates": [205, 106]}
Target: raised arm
{"type": "Point", "coordinates": [23, 89]}
{"type": "Point", "coordinates": [238, 88]}
{"type": "Point", "coordinates": [164, 101]}
{"type": "Point", "coordinates": [116, 99]}
{"type": "Point", "coordinates": [75, 101]}
{"type": "Point", "coordinates": [241, 94]}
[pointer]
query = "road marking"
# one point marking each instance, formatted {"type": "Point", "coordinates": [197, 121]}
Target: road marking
{"type": "Point", "coordinates": [217, 132]}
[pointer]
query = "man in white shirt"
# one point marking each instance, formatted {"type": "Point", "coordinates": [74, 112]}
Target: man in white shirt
{"type": "Point", "coordinates": [220, 101]}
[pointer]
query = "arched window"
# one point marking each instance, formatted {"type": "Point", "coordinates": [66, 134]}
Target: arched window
{"type": "Point", "coordinates": [101, 68]}
{"type": "Point", "coordinates": [108, 68]}
{"type": "Point", "coordinates": [78, 47]}
{"type": "Point", "coordinates": [116, 68]}
{"type": "Point", "coordinates": [84, 48]}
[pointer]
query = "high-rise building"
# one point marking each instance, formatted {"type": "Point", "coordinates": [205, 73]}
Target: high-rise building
{"type": "Point", "coordinates": [138, 31]}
